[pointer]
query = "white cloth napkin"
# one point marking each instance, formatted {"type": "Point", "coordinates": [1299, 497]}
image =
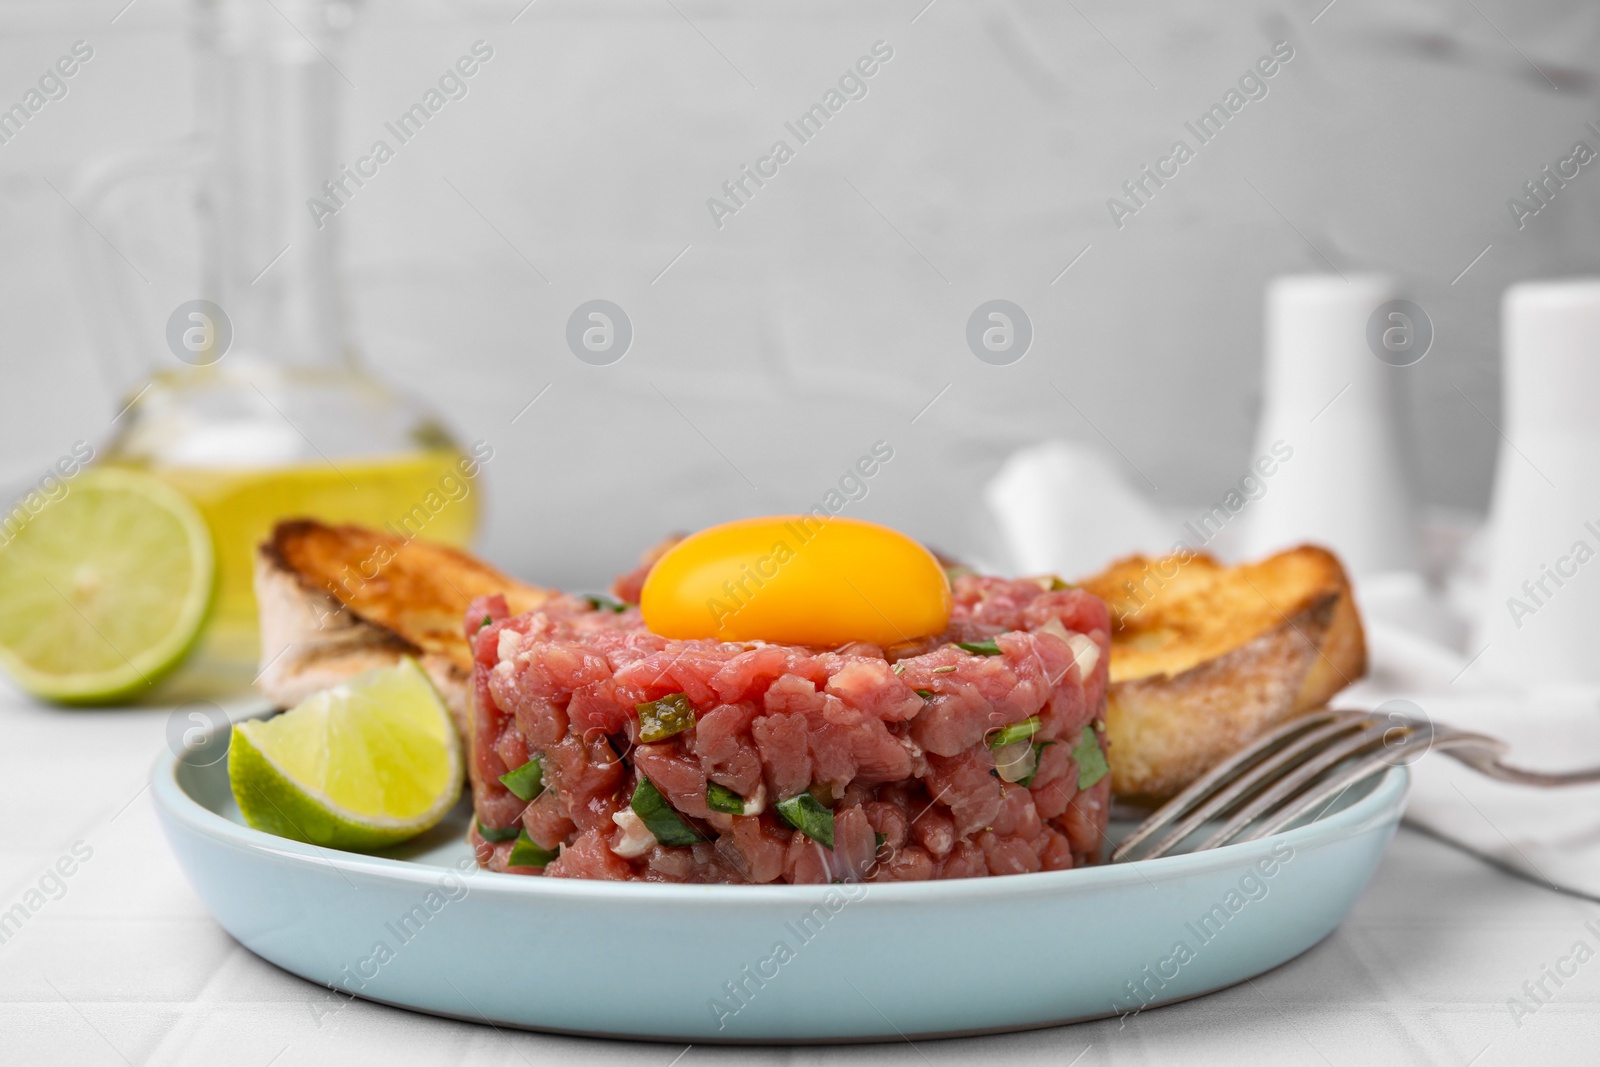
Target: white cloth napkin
{"type": "Point", "coordinates": [1549, 835]}
{"type": "Point", "coordinates": [1065, 509]}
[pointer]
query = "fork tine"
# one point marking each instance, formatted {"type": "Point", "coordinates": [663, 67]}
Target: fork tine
{"type": "Point", "coordinates": [1298, 776]}
{"type": "Point", "coordinates": [1475, 750]}
{"type": "Point", "coordinates": [1207, 783]}
{"type": "Point", "coordinates": [1227, 796]}
{"type": "Point", "coordinates": [1369, 764]}
{"type": "Point", "coordinates": [1311, 761]}
{"type": "Point", "coordinates": [1232, 780]}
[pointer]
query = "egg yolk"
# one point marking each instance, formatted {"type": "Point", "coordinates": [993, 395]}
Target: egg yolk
{"type": "Point", "coordinates": [799, 580]}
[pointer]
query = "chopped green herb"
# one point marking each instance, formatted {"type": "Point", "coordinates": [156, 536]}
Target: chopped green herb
{"type": "Point", "coordinates": [487, 619]}
{"type": "Point", "coordinates": [1038, 749]}
{"type": "Point", "coordinates": [1017, 731]}
{"type": "Point", "coordinates": [660, 719]}
{"type": "Point", "coordinates": [527, 781]}
{"type": "Point", "coordinates": [879, 840]}
{"type": "Point", "coordinates": [1089, 757]}
{"type": "Point", "coordinates": [659, 818]}
{"type": "Point", "coordinates": [497, 834]}
{"type": "Point", "coordinates": [980, 648]}
{"type": "Point", "coordinates": [926, 694]}
{"type": "Point", "coordinates": [899, 669]}
{"type": "Point", "coordinates": [809, 817]}
{"type": "Point", "coordinates": [527, 853]}
{"type": "Point", "coordinates": [601, 602]}
{"type": "Point", "coordinates": [945, 670]}
{"type": "Point", "coordinates": [721, 798]}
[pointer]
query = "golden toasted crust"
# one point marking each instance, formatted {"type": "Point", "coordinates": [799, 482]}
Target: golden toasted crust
{"type": "Point", "coordinates": [1205, 658]}
{"type": "Point", "coordinates": [310, 642]}
{"type": "Point", "coordinates": [338, 600]}
{"type": "Point", "coordinates": [416, 590]}
{"type": "Point", "coordinates": [1343, 655]}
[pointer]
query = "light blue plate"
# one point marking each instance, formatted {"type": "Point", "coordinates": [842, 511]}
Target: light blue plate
{"type": "Point", "coordinates": [421, 927]}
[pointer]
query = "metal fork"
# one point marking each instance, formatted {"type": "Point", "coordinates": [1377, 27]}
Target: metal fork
{"type": "Point", "coordinates": [1310, 761]}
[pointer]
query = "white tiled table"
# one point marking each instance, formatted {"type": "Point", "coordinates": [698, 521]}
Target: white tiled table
{"type": "Point", "coordinates": [127, 966]}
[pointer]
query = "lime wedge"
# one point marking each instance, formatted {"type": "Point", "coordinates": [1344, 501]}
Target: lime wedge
{"type": "Point", "coordinates": [103, 589]}
{"type": "Point", "coordinates": [365, 764]}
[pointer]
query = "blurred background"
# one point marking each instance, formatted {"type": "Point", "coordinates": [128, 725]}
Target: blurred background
{"type": "Point", "coordinates": [831, 311]}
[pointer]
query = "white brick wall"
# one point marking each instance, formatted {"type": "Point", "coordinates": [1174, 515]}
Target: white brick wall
{"type": "Point", "coordinates": [830, 311]}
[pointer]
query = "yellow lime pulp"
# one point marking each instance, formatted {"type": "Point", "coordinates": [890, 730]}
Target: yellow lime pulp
{"type": "Point", "coordinates": [241, 505]}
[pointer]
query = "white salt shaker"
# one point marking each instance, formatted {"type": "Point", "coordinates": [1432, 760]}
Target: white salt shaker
{"type": "Point", "coordinates": [1337, 352]}
{"type": "Point", "coordinates": [1539, 619]}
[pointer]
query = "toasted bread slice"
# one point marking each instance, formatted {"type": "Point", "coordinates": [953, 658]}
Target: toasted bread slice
{"type": "Point", "coordinates": [1205, 658]}
{"type": "Point", "coordinates": [337, 600]}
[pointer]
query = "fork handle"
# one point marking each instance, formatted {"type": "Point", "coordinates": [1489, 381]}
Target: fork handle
{"type": "Point", "coordinates": [1487, 763]}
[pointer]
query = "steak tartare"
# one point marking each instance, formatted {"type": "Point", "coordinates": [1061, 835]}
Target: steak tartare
{"type": "Point", "coordinates": [601, 750]}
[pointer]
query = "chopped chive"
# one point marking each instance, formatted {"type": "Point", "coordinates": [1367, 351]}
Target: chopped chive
{"type": "Point", "coordinates": [980, 648]}
{"type": "Point", "coordinates": [487, 619]}
{"type": "Point", "coordinates": [805, 814]}
{"type": "Point", "coordinates": [1017, 731]}
{"type": "Point", "coordinates": [879, 840]}
{"type": "Point", "coordinates": [527, 853]}
{"type": "Point", "coordinates": [659, 818]}
{"type": "Point", "coordinates": [1090, 758]}
{"type": "Point", "coordinates": [660, 719]}
{"type": "Point", "coordinates": [926, 694]}
{"type": "Point", "coordinates": [601, 602]}
{"type": "Point", "coordinates": [945, 670]}
{"type": "Point", "coordinates": [497, 834]}
{"type": "Point", "coordinates": [721, 798]}
{"type": "Point", "coordinates": [527, 781]}
{"type": "Point", "coordinates": [899, 669]}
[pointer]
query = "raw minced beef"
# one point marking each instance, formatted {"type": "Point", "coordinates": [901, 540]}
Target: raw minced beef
{"type": "Point", "coordinates": [894, 744]}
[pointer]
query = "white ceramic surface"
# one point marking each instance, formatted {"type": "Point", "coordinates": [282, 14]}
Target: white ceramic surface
{"type": "Point", "coordinates": [1541, 603]}
{"type": "Point", "coordinates": [1333, 451]}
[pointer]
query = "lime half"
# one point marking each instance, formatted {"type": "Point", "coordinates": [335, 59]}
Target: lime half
{"type": "Point", "coordinates": [103, 589]}
{"type": "Point", "coordinates": [365, 764]}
